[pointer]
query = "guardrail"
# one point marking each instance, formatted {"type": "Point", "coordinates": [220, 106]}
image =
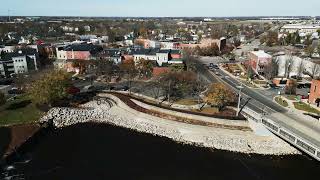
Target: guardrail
{"type": "Point", "coordinates": [289, 136]}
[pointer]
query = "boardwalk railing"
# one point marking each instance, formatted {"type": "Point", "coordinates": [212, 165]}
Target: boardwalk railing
{"type": "Point", "coordinates": [289, 136]}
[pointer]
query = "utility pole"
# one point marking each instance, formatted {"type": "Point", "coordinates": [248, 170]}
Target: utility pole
{"type": "Point", "coordinates": [239, 99]}
{"type": "Point", "coordinates": [169, 91]}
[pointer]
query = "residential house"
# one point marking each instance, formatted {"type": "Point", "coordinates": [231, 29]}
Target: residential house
{"type": "Point", "coordinates": [115, 55]}
{"type": "Point", "coordinates": [146, 43]}
{"type": "Point", "coordinates": [161, 56]}
{"type": "Point", "coordinates": [82, 51]}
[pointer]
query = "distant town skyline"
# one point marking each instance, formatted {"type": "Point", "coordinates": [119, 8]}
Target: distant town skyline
{"type": "Point", "coordinates": [163, 8]}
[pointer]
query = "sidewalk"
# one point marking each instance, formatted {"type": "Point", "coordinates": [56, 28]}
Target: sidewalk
{"type": "Point", "coordinates": [243, 81]}
{"type": "Point", "coordinates": [312, 105]}
{"type": "Point", "coordinates": [291, 108]}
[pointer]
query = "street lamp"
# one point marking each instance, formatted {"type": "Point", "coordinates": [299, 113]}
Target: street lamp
{"type": "Point", "coordinates": [239, 99]}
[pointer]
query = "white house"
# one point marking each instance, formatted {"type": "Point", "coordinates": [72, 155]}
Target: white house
{"type": "Point", "coordinates": [162, 57]}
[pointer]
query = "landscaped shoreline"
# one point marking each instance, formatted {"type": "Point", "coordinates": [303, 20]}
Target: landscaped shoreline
{"type": "Point", "coordinates": [120, 114]}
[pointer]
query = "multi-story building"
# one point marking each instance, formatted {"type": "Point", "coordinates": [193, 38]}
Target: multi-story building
{"type": "Point", "coordinates": [314, 96]}
{"type": "Point", "coordinates": [258, 60]}
{"type": "Point", "coordinates": [19, 62]}
{"type": "Point", "coordinates": [161, 56]}
{"type": "Point", "coordinates": [75, 52]}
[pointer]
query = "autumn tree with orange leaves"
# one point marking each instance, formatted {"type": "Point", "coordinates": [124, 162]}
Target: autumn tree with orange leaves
{"type": "Point", "coordinates": [219, 96]}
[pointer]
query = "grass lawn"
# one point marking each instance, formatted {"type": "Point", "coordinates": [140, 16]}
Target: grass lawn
{"type": "Point", "coordinates": [187, 102]}
{"type": "Point", "coordinates": [291, 97]}
{"type": "Point", "coordinates": [19, 111]}
{"type": "Point", "coordinates": [282, 102]}
{"type": "Point", "coordinates": [210, 110]}
{"type": "Point", "coordinates": [260, 82]}
{"type": "Point", "coordinates": [249, 84]}
{"type": "Point", "coordinates": [305, 107]}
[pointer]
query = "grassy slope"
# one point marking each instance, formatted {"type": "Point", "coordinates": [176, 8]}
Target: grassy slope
{"type": "Point", "coordinates": [305, 107]}
{"type": "Point", "coordinates": [21, 115]}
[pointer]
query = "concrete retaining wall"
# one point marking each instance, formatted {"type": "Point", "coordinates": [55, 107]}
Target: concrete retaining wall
{"type": "Point", "coordinates": [192, 116]}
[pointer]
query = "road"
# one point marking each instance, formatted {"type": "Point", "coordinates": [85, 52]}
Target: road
{"type": "Point", "coordinates": [304, 127]}
{"type": "Point", "coordinates": [261, 101]}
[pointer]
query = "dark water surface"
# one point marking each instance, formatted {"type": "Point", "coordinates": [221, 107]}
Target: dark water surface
{"type": "Point", "coordinates": [91, 151]}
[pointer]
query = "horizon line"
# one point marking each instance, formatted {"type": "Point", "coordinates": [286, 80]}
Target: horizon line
{"type": "Point", "coordinates": [158, 16]}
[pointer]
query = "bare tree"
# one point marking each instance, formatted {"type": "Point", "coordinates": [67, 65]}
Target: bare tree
{"type": "Point", "coordinates": [315, 71]}
{"type": "Point", "coordinates": [156, 87]}
{"type": "Point", "coordinates": [301, 69]}
{"type": "Point", "coordinates": [199, 88]}
{"type": "Point", "coordinates": [271, 69]}
{"type": "Point", "coordinates": [288, 65]}
{"type": "Point", "coordinates": [189, 60]}
{"type": "Point", "coordinates": [129, 71]}
{"type": "Point", "coordinates": [104, 67]}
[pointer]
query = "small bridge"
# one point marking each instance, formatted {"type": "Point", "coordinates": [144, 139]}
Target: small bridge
{"type": "Point", "coordinates": [285, 133]}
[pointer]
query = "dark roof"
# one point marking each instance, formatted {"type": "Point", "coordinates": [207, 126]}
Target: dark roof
{"type": "Point", "coordinates": [19, 52]}
{"type": "Point", "coordinates": [143, 51]}
{"type": "Point", "coordinates": [83, 47]}
{"type": "Point", "coordinates": [112, 52]}
{"type": "Point", "coordinates": [165, 51]}
{"type": "Point", "coordinates": [175, 51]}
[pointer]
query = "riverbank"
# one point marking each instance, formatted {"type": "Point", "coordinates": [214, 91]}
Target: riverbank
{"type": "Point", "coordinates": [12, 137]}
{"type": "Point", "coordinates": [102, 151]}
{"type": "Point", "coordinates": [120, 114]}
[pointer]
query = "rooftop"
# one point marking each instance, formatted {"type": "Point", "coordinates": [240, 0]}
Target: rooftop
{"type": "Point", "coordinates": [261, 54]}
{"type": "Point", "coordinates": [19, 52]}
{"type": "Point", "coordinates": [83, 47]}
{"type": "Point", "coordinates": [301, 26]}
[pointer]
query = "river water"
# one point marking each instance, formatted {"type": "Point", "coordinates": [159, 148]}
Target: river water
{"type": "Point", "coordinates": [92, 151]}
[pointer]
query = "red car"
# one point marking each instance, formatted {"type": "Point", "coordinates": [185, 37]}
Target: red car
{"type": "Point", "coordinates": [303, 96]}
{"type": "Point", "coordinates": [73, 90]}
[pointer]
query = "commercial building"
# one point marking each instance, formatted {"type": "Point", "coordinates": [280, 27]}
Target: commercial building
{"type": "Point", "coordinates": [314, 96]}
{"type": "Point", "coordinates": [258, 60]}
{"type": "Point", "coordinates": [301, 28]}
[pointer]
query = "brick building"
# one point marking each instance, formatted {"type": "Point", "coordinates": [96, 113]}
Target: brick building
{"type": "Point", "coordinates": [314, 96]}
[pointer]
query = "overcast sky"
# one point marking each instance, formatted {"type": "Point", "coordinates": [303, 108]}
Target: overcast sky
{"type": "Point", "coordinates": [161, 8]}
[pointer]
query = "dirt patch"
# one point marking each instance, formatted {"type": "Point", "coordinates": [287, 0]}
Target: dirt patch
{"type": "Point", "coordinates": [13, 137]}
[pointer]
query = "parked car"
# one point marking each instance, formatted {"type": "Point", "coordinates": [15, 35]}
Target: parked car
{"type": "Point", "coordinates": [218, 74]}
{"type": "Point", "coordinates": [120, 88]}
{"type": "Point", "coordinates": [274, 86]}
{"type": "Point", "coordinates": [74, 78]}
{"type": "Point", "coordinates": [73, 90]}
{"type": "Point", "coordinates": [89, 88]}
{"type": "Point", "coordinates": [15, 91]}
{"type": "Point", "coordinates": [303, 96]}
